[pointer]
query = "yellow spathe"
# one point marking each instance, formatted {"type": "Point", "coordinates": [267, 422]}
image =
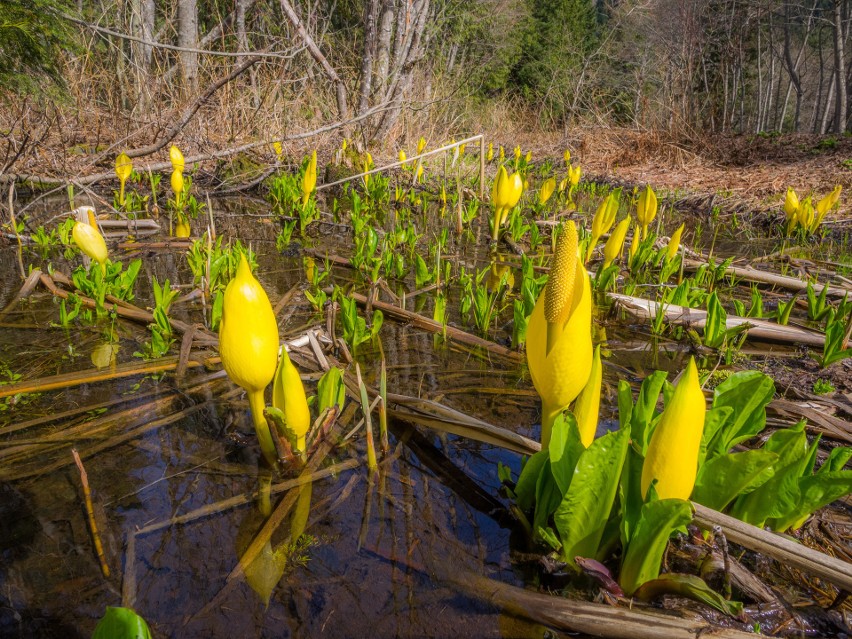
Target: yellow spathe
{"type": "Point", "coordinates": [90, 241]}
{"type": "Point", "coordinates": [248, 345]}
{"type": "Point", "coordinates": [559, 340]}
{"type": "Point", "coordinates": [587, 406]}
{"type": "Point", "coordinates": [288, 396]}
{"type": "Point", "coordinates": [672, 457]}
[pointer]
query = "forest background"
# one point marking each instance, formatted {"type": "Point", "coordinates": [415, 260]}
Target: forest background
{"type": "Point", "coordinates": [662, 85]}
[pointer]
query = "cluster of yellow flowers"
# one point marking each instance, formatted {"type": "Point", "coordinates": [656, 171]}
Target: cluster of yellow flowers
{"type": "Point", "coordinates": [505, 194]}
{"type": "Point", "coordinates": [565, 368]}
{"type": "Point", "coordinates": [182, 224]}
{"type": "Point", "coordinates": [803, 214]}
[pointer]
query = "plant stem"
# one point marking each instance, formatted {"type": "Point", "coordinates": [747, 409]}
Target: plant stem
{"type": "Point", "coordinates": [261, 427]}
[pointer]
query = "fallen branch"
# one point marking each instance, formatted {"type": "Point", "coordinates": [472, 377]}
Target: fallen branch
{"type": "Point", "coordinates": [90, 513]}
{"type": "Point", "coordinates": [695, 318]}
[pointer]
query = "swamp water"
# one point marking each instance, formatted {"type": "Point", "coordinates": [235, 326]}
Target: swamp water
{"type": "Point", "coordinates": [170, 534]}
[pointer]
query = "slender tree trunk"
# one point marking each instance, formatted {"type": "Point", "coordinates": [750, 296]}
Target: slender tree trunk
{"type": "Point", "coordinates": [839, 71]}
{"type": "Point", "coordinates": [384, 46]}
{"type": "Point", "coordinates": [815, 116]}
{"type": "Point", "coordinates": [240, 9]}
{"type": "Point", "coordinates": [823, 127]}
{"type": "Point", "coordinates": [188, 38]}
{"type": "Point", "coordinates": [370, 10]}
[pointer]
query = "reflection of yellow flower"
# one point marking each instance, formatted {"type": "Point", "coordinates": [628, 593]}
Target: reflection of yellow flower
{"type": "Point", "coordinates": [177, 184]}
{"type": "Point", "coordinates": [559, 342]}
{"type": "Point", "coordinates": [672, 457]}
{"type": "Point", "coordinates": [288, 396]}
{"type": "Point", "coordinates": [123, 168]}
{"type": "Point", "coordinates": [248, 345]}
{"type": "Point", "coordinates": [89, 240]}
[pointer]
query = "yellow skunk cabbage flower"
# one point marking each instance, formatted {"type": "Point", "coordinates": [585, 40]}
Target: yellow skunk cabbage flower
{"type": "Point", "coordinates": [567, 157]}
{"type": "Point", "coordinates": [791, 207]}
{"type": "Point", "coordinates": [603, 220]}
{"type": "Point", "coordinates": [517, 153]}
{"type": "Point", "coordinates": [177, 159]}
{"type": "Point", "coordinates": [499, 198]}
{"type": "Point", "coordinates": [123, 168]}
{"type": "Point", "coordinates": [279, 150]}
{"type": "Point", "coordinates": [672, 457]}
{"type": "Point", "coordinates": [588, 403]}
{"type": "Point", "coordinates": [89, 240]}
{"type": "Point", "coordinates": [421, 145]}
{"type": "Point", "coordinates": [489, 155]}
{"type": "Point", "coordinates": [824, 206]}
{"type": "Point", "coordinates": [182, 228]}
{"type": "Point", "coordinates": [528, 157]}
{"type": "Point", "coordinates": [563, 184]}
{"type": "Point", "coordinates": [574, 174]}
{"type": "Point", "coordinates": [177, 184]}
{"type": "Point", "coordinates": [546, 190]}
{"type": "Point", "coordinates": [559, 337]}
{"type": "Point", "coordinates": [309, 179]}
{"type": "Point", "coordinates": [612, 248]}
{"type": "Point", "coordinates": [248, 345]}
{"type": "Point", "coordinates": [288, 396]}
{"type": "Point", "coordinates": [403, 158]}
{"type": "Point", "coordinates": [634, 244]}
{"type": "Point", "coordinates": [646, 209]}
{"type": "Point", "coordinates": [502, 155]}
{"type": "Point", "coordinates": [674, 242]}
{"type": "Point", "coordinates": [805, 217]}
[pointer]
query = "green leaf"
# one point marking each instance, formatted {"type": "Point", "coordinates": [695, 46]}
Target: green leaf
{"type": "Point", "coordinates": [547, 497]}
{"type": "Point", "coordinates": [630, 494]}
{"type": "Point", "coordinates": [525, 489]}
{"type": "Point", "coordinates": [837, 459]}
{"type": "Point", "coordinates": [582, 515]}
{"type": "Point", "coordinates": [815, 492]}
{"type": "Point", "coordinates": [643, 411]}
{"type": "Point", "coordinates": [564, 450]}
{"type": "Point", "coordinates": [723, 478]}
{"type": "Point", "coordinates": [121, 623]}
{"type": "Point", "coordinates": [747, 393]}
{"type": "Point", "coordinates": [657, 521]}
{"type": "Point", "coordinates": [330, 389]}
{"type": "Point", "coordinates": [688, 586]}
{"type": "Point", "coordinates": [714, 421]}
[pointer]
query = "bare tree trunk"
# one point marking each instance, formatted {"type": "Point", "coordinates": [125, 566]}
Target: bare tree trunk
{"type": "Point", "coordinates": [383, 46]}
{"type": "Point", "coordinates": [187, 38]}
{"type": "Point", "coordinates": [316, 54]}
{"type": "Point", "coordinates": [793, 68]}
{"type": "Point", "coordinates": [243, 45]}
{"type": "Point", "coordinates": [142, 26]}
{"type": "Point", "coordinates": [370, 10]}
{"type": "Point", "coordinates": [823, 127]}
{"type": "Point", "coordinates": [815, 116]}
{"type": "Point", "coordinates": [839, 71]}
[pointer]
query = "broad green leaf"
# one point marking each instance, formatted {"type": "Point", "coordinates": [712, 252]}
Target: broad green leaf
{"type": "Point", "coordinates": [330, 389]}
{"type": "Point", "coordinates": [630, 494]}
{"type": "Point", "coordinates": [547, 497]}
{"type": "Point", "coordinates": [791, 444]}
{"type": "Point", "coordinates": [121, 623]}
{"type": "Point", "coordinates": [657, 521]}
{"type": "Point", "coordinates": [549, 537]}
{"type": "Point", "coordinates": [564, 449]}
{"type": "Point", "coordinates": [714, 421]}
{"type": "Point", "coordinates": [643, 411]}
{"type": "Point", "coordinates": [815, 492]}
{"type": "Point", "coordinates": [525, 489]}
{"type": "Point", "coordinates": [723, 478]}
{"type": "Point", "coordinates": [748, 393]}
{"type": "Point", "coordinates": [837, 459]}
{"type": "Point", "coordinates": [582, 515]}
{"type": "Point", "coordinates": [688, 586]}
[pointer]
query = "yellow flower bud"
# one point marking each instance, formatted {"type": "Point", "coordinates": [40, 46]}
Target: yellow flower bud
{"type": "Point", "coordinates": [587, 406]}
{"type": "Point", "coordinates": [176, 158]}
{"type": "Point", "coordinates": [123, 168]}
{"type": "Point", "coordinates": [546, 190]}
{"type": "Point", "coordinates": [672, 457]}
{"type": "Point", "coordinates": [288, 395]}
{"type": "Point", "coordinates": [646, 209]}
{"type": "Point", "coordinates": [612, 248]}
